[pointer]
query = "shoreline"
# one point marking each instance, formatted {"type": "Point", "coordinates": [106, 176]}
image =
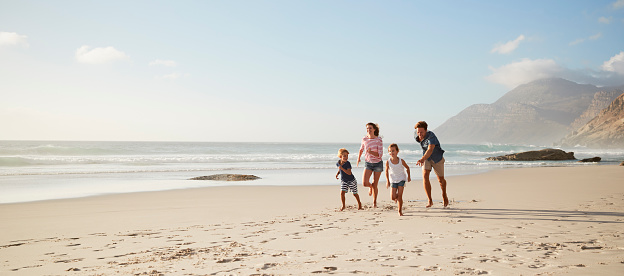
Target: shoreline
{"type": "Point", "coordinates": [43, 170]}
{"type": "Point", "coordinates": [71, 186]}
{"type": "Point", "coordinates": [561, 220]}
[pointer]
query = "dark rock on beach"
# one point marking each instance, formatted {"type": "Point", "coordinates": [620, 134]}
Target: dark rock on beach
{"type": "Point", "coordinates": [537, 155]}
{"type": "Point", "coordinates": [227, 177]}
{"type": "Point", "coordinates": [593, 159]}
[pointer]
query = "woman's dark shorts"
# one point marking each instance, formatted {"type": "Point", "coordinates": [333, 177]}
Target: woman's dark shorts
{"type": "Point", "coordinates": [376, 167]}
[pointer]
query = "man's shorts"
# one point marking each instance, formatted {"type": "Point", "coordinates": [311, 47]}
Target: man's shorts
{"type": "Point", "coordinates": [399, 184]}
{"type": "Point", "coordinates": [350, 185]}
{"type": "Point", "coordinates": [437, 167]}
{"type": "Point", "coordinates": [376, 167]}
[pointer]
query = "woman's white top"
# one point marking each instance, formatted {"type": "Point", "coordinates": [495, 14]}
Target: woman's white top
{"type": "Point", "coordinates": [396, 172]}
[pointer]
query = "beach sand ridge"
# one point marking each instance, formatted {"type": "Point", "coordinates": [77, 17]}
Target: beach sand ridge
{"type": "Point", "coordinates": [480, 234]}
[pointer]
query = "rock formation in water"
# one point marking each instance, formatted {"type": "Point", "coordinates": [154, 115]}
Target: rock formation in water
{"type": "Point", "coordinates": [536, 155]}
{"type": "Point", "coordinates": [227, 177]}
{"type": "Point", "coordinates": [593, 159]}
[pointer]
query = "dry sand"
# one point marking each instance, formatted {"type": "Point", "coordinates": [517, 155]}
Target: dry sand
{"type": "Point", "coordinates": [538, 221]}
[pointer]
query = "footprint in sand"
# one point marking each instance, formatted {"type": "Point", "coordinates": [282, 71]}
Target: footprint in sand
{"type": "Point", "coordinates": [268, 240]}
{"type": "Point", "coordinates": [11, 245]}
{"type": "Point", "coordinates": [537, 265]}
{"type": "Point", "coordinates": [267, 265]}
{"type": "Point", "coordinates": [326, 269]}
{"type": "Point", "coordinates": [471, 271]}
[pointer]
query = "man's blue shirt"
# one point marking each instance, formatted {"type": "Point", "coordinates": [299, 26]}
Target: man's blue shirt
{"type": "Point", "coordinates": [430, 139]}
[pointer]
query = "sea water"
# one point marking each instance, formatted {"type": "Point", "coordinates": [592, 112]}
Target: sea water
{"type": "Point", "coordinates": [44, 170]}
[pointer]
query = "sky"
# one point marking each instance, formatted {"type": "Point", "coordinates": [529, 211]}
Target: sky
{"type": "Point", "coordinates": [284, 71]}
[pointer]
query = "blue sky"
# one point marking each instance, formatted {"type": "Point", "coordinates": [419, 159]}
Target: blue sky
{"type": "Point", "coordinates": [284, 71]}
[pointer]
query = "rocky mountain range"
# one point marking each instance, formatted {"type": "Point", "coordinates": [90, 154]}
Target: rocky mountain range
{"type": "Point", "coordinates": [541, 112]}
{"type": "Point", "coordinates": [606, 130]}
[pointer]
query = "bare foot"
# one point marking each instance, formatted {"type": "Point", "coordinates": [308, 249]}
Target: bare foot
{"type": "Point", "coordinates": [430, 204]}
{"type": "Point", "coordinates": [360, 208]}
{"type": "Point", "coordinates": [400, 213]}
{"type": "Point", "coordinates": [342, 209]}
{"type": "Point", "coordinates": [370, 191]}
{"type": "Point", "coordinates": [374, 204]}
{"type": "Point", "coordinates": [446, 202]}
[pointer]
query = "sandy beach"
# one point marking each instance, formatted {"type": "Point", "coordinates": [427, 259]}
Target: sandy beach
{"type": "Point", "coordinates": [532, 221]}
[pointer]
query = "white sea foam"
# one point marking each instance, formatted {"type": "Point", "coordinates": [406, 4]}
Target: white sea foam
{"type": "Point", "coordinates": [44, 168]}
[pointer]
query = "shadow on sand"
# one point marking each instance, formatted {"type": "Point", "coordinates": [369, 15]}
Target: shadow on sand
{"type": "Point", "coordinates": [528, 215]}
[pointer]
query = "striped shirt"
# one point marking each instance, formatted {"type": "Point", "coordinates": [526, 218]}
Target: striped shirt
{"type": "Point", "coordinates": [376, 145]}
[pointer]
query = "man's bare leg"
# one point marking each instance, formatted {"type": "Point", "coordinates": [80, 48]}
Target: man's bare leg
{"type": "Point", "coordinates": [427, 186]}
{"type": "Point", "coordinates": [443, 186]}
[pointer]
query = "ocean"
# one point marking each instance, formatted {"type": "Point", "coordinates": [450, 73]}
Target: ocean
{"type": "Point", "coordinates": [45, 170]}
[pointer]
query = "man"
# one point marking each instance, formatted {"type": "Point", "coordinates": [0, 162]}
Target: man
{"type": "Point", "coordinates": [432, 158]}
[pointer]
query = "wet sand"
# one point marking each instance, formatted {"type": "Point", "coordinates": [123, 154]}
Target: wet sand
{"type": "Point", "coordinates": [548, 221]}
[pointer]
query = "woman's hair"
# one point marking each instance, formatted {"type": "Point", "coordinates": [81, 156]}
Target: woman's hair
{"type": "Point", "coordinates": [375, 126]}
{"type": "Point", "coordinates": [393, 145]}
{"type": "Point", "coordinates": [421, 124]}
{"type": "Point", "coordinates": [341, 151]}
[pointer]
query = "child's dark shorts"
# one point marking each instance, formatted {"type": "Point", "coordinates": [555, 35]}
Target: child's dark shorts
{"type": "Point", "coordinates": [349, 186]}
{"type": "Point", "coordinates": [398, 184]}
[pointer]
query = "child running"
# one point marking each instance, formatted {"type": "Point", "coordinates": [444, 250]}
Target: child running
{"type": "Point", "coordinates": [347, 178]}
{"type": "Point", "coordinates": [395, 174]}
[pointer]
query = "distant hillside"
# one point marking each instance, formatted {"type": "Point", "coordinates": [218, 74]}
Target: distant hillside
{"type": "Point", "coordinates": [604, 131]}
{"type": "Point", "coordinates": [540, 112]}
{"type": "Point", "coordinates": [601, 100]}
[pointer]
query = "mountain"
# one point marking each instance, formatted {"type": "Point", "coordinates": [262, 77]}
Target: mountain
{"type": "Point", "coordinates": [540, 112]}
{"type": "Point", "coordinates": [602, 99]}
{"type": "Point", "coordinates": [606, 130]}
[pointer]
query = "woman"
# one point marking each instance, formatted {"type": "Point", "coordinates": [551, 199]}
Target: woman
{"type": "Point", "coordinates": [372, 146]}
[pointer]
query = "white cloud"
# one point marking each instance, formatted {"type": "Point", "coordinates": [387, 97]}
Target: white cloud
{"type": "Point", "coordinates": [168, 63]}
{"type": "Point", "coordinates": [615, 64]}
{"type": "Point", "coordinates": [618, 4]}
{"type": "Point", "coordinates": [172, 76]}
{"type": "Point", "coordinates": [581, 40]}
{"type": "Point", "coordinates": [524, 71]}
{"type": "Point", "coordinates": [611, 73]}
{"type": "Point", "coordinates": [578, 41]}
{"type": "Point", "coordinates": [13, 39]}
{"type": "Point", "coordinates": [507, 47]}
{"type": "Point", "coordinates": [596, 36]}
{"type": "Point", "coordinates": [99, 55]}
{"type": "Point", "coordinates": [605, 20]}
